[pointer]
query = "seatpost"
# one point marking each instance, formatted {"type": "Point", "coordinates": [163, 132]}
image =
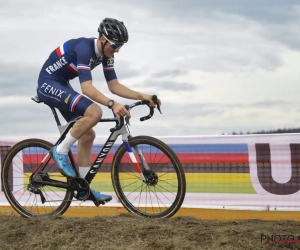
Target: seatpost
{"type": "Point", "coordinates": [55, 116]}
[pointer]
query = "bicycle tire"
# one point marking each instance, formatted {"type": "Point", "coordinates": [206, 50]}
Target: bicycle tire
{"type": "Point", "coordinates": [17, 168]}
{"type": "Point", "coordinates": [166, 202]}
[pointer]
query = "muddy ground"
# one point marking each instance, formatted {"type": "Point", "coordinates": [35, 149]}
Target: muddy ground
{"type": "Point", "coordinates": [131, 232]}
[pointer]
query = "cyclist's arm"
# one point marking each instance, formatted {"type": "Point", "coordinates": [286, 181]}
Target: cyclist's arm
{"type": "Point", "coordinates": [119, 89]}
{"type": "Point", "coordinates": [114, 86]}
{"type": "Point", "coordinates": [90, 91]}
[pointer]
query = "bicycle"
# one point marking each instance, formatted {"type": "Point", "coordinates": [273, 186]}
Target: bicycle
{"type": "Point", "coordinates": [146, 174]}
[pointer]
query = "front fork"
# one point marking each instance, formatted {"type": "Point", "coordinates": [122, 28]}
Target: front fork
{"type": "Point", "coordinates": [133, 158]}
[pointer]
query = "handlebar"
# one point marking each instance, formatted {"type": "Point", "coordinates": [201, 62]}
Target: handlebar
{"type": "Point", "coordinates": [144, 118]}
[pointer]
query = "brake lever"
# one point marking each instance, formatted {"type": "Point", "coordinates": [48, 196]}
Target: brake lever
{"type": "Point", "coordinates": [158, 107]}
{"type": "Point", "coordinates": [127, 118]}
{"type": "Point", "coordinates": [155, 100]}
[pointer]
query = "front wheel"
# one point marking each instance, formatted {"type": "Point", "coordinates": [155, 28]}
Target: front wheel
{"type": "Point", "coordinates": [162, 193]}
{"type": "Point", "coordinates": [22, 188]}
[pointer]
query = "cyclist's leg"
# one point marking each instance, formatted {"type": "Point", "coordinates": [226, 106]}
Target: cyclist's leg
{"type": "Point", "coordinates": [82, 130]}
{"type": "Point", "coordinates": [84, 152]}
{"type": "Point", "coordinates": [72, 106]}
{"type": "Point", "coordinates": [85, 144]}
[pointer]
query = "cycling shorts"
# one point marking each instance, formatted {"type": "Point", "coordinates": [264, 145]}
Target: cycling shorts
{"type": "Point", "coordinates": [61, 95]}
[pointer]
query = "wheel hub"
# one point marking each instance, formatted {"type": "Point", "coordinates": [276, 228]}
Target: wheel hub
{"type": "Point", "coordinates": [36, 179]}
{"type": "Point", "coordinates": [151, 177]}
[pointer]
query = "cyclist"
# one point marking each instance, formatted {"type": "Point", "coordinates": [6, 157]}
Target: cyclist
{"type": "Point", "coordinates": [77, 57]}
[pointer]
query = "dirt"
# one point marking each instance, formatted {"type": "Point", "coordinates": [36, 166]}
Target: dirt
{"type": "Point", "coordinates": [128, 231]}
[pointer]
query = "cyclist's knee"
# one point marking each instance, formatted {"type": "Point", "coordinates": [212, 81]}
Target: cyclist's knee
{"type": "Point", "coordinates": [93, 112]}
{"type": "Point", "coordinates": [88, 137]}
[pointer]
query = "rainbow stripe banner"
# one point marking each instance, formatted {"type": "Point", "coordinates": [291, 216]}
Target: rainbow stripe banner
{"type": "Point", "coordinates": [236, 172]}
{"type": "Point", "coordinates": [209, 168]}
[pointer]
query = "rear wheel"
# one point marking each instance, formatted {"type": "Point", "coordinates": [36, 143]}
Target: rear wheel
{"type": "Point", "coordinates": [22, 188]}
{"type": "Point", "coordinates": [163, 192]}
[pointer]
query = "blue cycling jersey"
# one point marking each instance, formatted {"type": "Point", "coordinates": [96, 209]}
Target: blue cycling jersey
{"type": "Point", "coordinates": [76, 57]}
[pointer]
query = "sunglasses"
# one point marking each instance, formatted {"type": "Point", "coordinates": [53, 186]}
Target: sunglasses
{"type": "Point", "coordinates": [114, 45]}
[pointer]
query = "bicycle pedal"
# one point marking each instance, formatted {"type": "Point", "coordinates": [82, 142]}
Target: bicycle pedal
{"type": "Point", "coordinates": [98, 203]}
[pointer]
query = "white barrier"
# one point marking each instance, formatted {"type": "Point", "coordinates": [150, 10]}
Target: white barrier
{"type": "Point", "coordinates": [251, 172]}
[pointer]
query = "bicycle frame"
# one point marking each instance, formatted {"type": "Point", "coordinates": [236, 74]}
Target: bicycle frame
{"type": "Point", "coordinates": [120, 129]}
{"type": "Point", "coordinates": [157, 192]}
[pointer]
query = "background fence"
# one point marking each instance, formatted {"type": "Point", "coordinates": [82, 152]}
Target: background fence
{"type": "Point", "coordinates": [228, 177]}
